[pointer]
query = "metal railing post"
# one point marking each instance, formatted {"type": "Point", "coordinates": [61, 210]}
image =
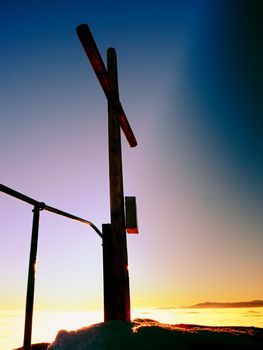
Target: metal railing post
{"type": "Point", "coordinates": [33, 253]}
{"type": "Point", "coordinates": [31, 279]}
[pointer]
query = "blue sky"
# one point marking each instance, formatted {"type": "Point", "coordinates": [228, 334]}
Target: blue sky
{"type": "Point", "coordinates": [190, 81]}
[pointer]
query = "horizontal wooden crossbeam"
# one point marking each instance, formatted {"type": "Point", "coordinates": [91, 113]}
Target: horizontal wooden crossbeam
{"type": "Point", "coordinates": [91, 49]}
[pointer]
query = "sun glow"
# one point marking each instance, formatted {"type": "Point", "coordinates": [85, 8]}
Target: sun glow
{"type": "Point", "coordinates": [46, 325]}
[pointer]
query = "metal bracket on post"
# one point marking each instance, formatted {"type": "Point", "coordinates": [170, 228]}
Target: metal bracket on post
{"type": "Point", "coordinates": [31, 277]}
{"type": "Point", "coordinates": [131, 215]}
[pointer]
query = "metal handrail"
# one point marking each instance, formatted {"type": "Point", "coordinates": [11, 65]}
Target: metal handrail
{"type": "Point", "coordinates": [18, 195]}
{"type": "Point", "coordinates": [38, 206]}
{"type": "Point", "coordinates": [73, 217]}
{"type": "Point", "coordinates": [43, 206]}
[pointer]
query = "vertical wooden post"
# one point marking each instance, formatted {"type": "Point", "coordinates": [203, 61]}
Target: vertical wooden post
{"type": "Point", "coordinates": [119, 283]}
{"type": "Point", "coordinates": [31, 280]}
{"type": "Point", "coordinates": [108, 273]}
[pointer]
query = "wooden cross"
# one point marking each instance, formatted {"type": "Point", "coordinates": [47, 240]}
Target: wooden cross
{"type": "Point", "coordinates": [115, 257]}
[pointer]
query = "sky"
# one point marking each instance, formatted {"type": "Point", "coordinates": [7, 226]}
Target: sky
{"type": "Point", "coordinates": [190, 80]}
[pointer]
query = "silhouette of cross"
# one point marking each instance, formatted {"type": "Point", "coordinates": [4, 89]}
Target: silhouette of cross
{"type": "Point", "coordinates": [115, 257]}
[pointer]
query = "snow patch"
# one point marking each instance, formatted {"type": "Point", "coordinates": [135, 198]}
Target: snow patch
{"type": "Point", "coordinates": [146, 334]}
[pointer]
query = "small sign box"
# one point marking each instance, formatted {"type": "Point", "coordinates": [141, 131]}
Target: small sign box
{"type": "Point", "coordinates": [131, 215]}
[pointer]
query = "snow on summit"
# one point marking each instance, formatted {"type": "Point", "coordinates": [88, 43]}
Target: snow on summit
{"type": "Point", "coordinates": [145, 334]}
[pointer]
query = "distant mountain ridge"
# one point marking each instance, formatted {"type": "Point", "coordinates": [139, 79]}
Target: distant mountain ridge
{"type": "Point", "coordinates": [208, 304]}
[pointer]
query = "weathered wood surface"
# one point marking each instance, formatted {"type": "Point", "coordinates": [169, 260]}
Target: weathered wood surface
{"type": "Point", "coordinates": [119, 283]}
